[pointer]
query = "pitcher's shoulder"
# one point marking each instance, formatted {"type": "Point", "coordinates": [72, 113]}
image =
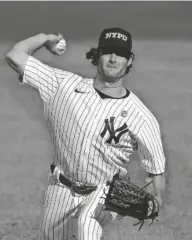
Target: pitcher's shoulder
{"type": "Point", "coordinates": [144, 110]}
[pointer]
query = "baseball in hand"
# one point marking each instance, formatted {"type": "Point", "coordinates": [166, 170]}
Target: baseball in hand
{"type": "Point", "coordinates": [61, 45]}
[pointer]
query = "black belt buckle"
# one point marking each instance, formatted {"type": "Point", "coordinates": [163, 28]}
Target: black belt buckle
{"type": "Point", "coordinates": [83, 189]}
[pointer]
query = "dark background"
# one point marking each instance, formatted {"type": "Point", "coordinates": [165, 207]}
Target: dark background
{"type": "Point", "coordinates": [84, 20]}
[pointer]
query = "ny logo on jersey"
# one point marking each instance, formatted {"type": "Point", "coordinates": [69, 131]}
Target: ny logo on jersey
{"type": "Point", "coordinates": [114, 134]}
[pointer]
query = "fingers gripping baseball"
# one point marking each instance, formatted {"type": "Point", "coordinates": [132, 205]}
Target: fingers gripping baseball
{"type": "Point", "coordinates": [56, 44]}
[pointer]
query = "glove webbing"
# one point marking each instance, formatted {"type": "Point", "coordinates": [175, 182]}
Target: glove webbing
{"type": "Point", "coordinates": [136, 196]}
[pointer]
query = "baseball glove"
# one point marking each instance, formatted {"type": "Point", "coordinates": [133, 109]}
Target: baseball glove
{"type": "Point", "coordinates": [127, 199]}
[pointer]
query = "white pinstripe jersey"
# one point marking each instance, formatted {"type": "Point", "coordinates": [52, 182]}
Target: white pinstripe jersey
{"type": "Point", "coordinates": [93, 137]}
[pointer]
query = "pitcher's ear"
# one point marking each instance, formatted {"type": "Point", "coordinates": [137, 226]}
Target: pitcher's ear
{"type": "Point", "coordinates": [129, 64]}
{"type": "Point", "coordinates": [131, 58]}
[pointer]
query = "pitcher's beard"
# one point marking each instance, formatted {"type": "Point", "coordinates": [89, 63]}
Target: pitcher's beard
{"type": "Point", "coordinates": [109, 82]}
{"type": "Point", "coordinates": [111, 74]}
{"type": "Point", "coordinates": [112, 77]}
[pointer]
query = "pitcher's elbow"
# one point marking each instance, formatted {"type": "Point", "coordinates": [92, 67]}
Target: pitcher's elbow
{"type": "Point", "coordinates": [10, 56]}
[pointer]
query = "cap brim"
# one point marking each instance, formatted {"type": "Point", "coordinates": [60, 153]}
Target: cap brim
{"type": "Point", "coordinates": [120, 51]}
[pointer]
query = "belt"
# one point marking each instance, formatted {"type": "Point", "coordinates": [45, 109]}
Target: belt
{"type": "Point", "coordinates": [82, 189]}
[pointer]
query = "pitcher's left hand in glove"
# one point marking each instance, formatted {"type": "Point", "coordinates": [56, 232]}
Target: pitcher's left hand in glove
{"type": "Point", "coordinates": [128, 199]}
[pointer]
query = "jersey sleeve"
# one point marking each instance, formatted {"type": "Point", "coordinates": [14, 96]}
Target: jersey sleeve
{"type": "Point", "coordinates": [150, 147]}
{"type": "Point", "coordinates": [42, 77]}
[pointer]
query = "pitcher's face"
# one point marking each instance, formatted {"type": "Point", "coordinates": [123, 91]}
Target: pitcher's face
{"type": "Point", "coordinates": [112, 65]}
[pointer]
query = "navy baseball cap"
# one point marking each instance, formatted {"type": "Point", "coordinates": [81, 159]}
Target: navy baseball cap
{"type": "Point", "coordinates": [116, 40]}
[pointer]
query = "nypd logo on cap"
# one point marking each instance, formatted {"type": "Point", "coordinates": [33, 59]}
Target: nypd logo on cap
{"type": "Point", "coordinates": [116, 37]}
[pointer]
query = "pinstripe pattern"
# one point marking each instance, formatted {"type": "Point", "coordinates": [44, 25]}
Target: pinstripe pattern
{"type": "Point", "coordinates": [92, 138]}
{"type": "Point", "coordinates": [64, 211]}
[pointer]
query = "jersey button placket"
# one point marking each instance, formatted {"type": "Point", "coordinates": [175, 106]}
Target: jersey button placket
{"type": "Point", "coordinates": [93, 111]}
{"type": "Point", "coordinates": [97, 104]}
{"type": "Point", "coordinates": [85, 144]}
{"type": "Point", "coordinates": [94, 116]}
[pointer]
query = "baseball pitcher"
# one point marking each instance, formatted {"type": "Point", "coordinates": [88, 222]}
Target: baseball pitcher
{"type": "Point", "coordinates": [95, 125]}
